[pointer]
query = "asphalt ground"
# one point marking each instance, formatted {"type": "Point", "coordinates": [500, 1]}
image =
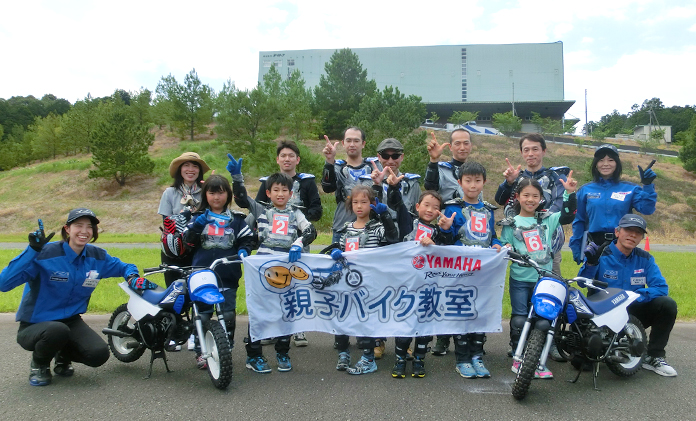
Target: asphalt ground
{"type": "Point", "coordinates": [314, 390]}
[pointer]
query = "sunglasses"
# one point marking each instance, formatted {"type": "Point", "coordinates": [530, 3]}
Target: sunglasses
{"type": "Point", "coordinates": [394, 156]}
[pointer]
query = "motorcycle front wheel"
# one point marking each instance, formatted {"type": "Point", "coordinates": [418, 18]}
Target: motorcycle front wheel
{"type": "Point", "coordinates": [530, 362]}
{"type": "Point", "coordinates": [126, 349]}
{"type": "Point", "coordinates": [220, 360]}
{"type": "Point", "coordinates": [354, 278]}
{"type": "Point", "coordinates": [630, 336]}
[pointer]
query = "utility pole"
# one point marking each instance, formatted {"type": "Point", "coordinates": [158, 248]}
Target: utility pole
{"type": "Point", "coordinates": [587, 127]}
{"type": "Point", "coordinates": [513, 99]}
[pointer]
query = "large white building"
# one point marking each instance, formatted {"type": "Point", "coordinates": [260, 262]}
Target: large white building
{"type": "Point", "coordinates": [485, 78]}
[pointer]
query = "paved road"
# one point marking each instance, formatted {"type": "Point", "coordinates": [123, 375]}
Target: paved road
{"type": "Point", "coordinates": [315, 390]}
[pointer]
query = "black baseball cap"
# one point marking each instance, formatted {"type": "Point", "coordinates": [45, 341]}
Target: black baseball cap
{"type": "Point", "coordinates": [607, 149]}
{"type": "Point", "coordinates": [633, 220]}
{"type": "Point", "coordinates": [79, 213]}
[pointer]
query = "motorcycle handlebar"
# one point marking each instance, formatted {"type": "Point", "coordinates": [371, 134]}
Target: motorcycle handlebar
{"type": "Point", "coordinates": [600, 284]}
{"type": "Point", "coordinates": [151, 269]}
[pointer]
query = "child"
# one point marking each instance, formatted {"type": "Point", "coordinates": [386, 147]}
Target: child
{"type": "Point", "coordinates": [282, 228]}
{"type": "Point", "coordinates": [473, 225]}
{"type": "Point", "coordinates": [373, 227]}
{"type": "Point", "coordinates": [530, 232]}
{"type": "Point", "coordinates": [427, 230]}
{"type": "Point", "coordinates": [210, 240]}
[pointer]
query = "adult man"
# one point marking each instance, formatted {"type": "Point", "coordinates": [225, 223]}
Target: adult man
{"type": "Point", "coordinates": [624, 266]}
{"type": "Point", "coordinates": [442, 176]}
{"type": "Point", "coordinates": [340, 176]}
{"type": "Point", "coordinates": [533, 149]}
{"type": "Point", "coordinates": [390, 153]}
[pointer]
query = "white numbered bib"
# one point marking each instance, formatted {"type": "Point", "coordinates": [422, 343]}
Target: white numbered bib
{"type": "Point", "coordinates": [423, 231]}
{"type": "Point", "coordinates": [280, 224]}
{"type": "Point", "coordinates": [352, 243]}
{"type": "Point", "coordinates": [478, 222]}
{"type": "Point", "coordinates": [533, 240]}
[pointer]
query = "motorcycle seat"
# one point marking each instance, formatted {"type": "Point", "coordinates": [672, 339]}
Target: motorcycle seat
{"type": "Point", "coordinates": [602, 301]}
{"type": "Point", "coordinates": [154, 296]}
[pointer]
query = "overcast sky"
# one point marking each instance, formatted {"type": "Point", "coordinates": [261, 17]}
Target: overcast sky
{"type": "Point", "coordinates": [621, 51]}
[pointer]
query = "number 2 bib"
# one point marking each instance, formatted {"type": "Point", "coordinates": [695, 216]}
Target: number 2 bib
{"type": "Point", "coordinates": [280, 224]}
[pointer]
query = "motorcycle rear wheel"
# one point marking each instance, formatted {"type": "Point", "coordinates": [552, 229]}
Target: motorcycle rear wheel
{"type": "Point", "coordinates": [124, 349]}
{"type": "Point", "coordinates": [633, 331]}
{"type": "Point", "coordinates": [530, 362]}
{"type": "Point", "coordinates": [220, 360]}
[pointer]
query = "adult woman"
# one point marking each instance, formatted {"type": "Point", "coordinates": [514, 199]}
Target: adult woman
{"type": "Point", "coordinates": [60, 278]}
{"type": "Point", "coordinates": [603, 202]}
{"type": "Point", "coordinates": [179, 199]}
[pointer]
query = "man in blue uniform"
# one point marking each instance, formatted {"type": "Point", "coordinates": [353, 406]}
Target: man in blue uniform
{"type": "Point", "coordinates": [624, 266]}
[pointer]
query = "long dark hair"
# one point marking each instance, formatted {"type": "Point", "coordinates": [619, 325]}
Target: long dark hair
{"type": "Point", "coordinates": [215, 183]}
{"type": "Point", "coordinates": [599, 156]}
{"type": "Point", "coordinates": [179, 180]}
{"type": "Point", "coordinates": [526, 182]}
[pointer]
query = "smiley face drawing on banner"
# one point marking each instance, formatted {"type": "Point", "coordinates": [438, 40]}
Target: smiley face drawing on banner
{"type": "Point", "coordinates": [277, 276]}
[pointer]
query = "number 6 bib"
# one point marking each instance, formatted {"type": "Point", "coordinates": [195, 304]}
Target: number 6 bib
{"type": "Point", "coordinates": [533, 240]}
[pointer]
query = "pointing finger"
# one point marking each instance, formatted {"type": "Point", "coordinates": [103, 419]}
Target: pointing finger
{"type": "Point", "coordinates": [327, 140]}
{"type": "Point", "coordinates": [509, 164]}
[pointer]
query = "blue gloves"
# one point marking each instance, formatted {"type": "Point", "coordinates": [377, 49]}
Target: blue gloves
{"type": "Point", "coordinates": [203, 219]}
{"type": "Point", "coordinates": [234, 167]}
{"type": "Point", "coordinates": [378, 207]}
{"type": "Point", "coordinates": [336, 254]}
{"type": "Point", "coordinates": [647, 176]}
{"type": "Point", "coordinates": [38, 239]}
{"type": "Point", "coordinates": [140, 284]}
{"type": "Point", "coordinates": [242, 253]}
{"type": "Point", "coordinates": [294, 254]}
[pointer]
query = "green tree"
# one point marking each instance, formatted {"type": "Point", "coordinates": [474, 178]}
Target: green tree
{"type": "Point", "coordinates": [340, 91]}
{"type": "Point", "coordinates": [78, 125]}
{"type": "Point", "coordinates": [462, 117]}
{"type": "Point", "coordinates": [688, 151]}
{"type": "Point", "coordinates": [507, 122]}
{"type": "Point", "coordinates": [547, 125]}
{"type": "Point", "coordinates": [141, 104]}
{"type": "Point", "coordinates": [192, 103]}
{"type": "Point", "coordinates": [297, 104]}
{"type": "Point", "coordinates": [434, 117]}
{"type": "Point", "coordinates": [45, 136]}
{"type": "Point", "coordinates": [120, 145]}
{"type": "Point", "coordinates": [244, 117]}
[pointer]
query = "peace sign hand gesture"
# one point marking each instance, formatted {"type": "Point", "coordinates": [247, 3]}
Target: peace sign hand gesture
{"type": "Point", "coordinates": [377, 175]}
{"type": "Point", "coordinates": [570, 184]}
{"type": "Point", "coordinates": [444, 222]}
{"type": "Point", "coordinates": [392, 179]}
{"type": "Point", "coordinates": [329, 150]}
{"type": "Point", "coordinates": [435, 149]}
{"type": "Point", "coordinates": [511, 173]}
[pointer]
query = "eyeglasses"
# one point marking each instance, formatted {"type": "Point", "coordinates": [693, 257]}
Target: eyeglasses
{"type": "Point", "coordinates": [394, 156]}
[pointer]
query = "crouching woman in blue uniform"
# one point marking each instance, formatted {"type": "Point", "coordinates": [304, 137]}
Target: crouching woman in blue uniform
{"type": "Point", "coordinates": [60, 278]}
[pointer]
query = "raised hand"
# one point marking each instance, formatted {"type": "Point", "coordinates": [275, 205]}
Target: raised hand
{"type": "Point", "coordinates": [377, 175]}
{"type": "Point", "coordinates": [435, 149]}
{"type": "Point", "coordinates": [647, 176]}
{"type": "Point", "coordinates": [444, 222]}
{"type": "Point", "coordinates": [329, 150]}
{"type": "Point", "coordinates": [233, 166]}
{"type": "Point", "coordinates": [570, 184]}
{"type": "Point", "coordinates": [379, 207]}
{"type": "Point", "coordinates": [38, 239]}
{"type": "Point", "coordinates": [511, 173]}
{"type": "Point", "coordinates": [392, 179]}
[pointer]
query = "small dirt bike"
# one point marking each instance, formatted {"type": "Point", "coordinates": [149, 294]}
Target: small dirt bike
{"type": "Point", "coordinates": [161, 319]}
{"type": "Point", "coordinates": [336, 272]}
{"type": "Point", "coordinates": [585, 330]}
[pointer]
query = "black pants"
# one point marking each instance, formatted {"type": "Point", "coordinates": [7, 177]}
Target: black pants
{"type": "Point", "coordinates": [401, 345]}
{"type": "Point", "coordinates": [170, 277]}
{"type": "Point", "coordinates": [254, 349]}
{"type": "Point", "coordinates": [468, 346]}
{"type": "Point", "coordinates": [365, 343]}
{"type": "Point", "coordinates": [71, 337]}
{"type": "Point", "coordinates": [660, 314]}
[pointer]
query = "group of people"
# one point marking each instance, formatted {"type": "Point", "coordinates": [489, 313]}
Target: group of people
{"type": "Point", "coordinates": [377, 205]}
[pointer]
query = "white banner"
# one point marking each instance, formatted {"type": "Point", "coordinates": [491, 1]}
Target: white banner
{"type": "Point", "coordinates": [403, 289]}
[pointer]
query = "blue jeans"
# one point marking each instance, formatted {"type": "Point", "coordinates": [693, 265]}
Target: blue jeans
{"type": "Point", "coordinates": [336, 237]}
{"type": "Point", "coordinates": [520, 296]}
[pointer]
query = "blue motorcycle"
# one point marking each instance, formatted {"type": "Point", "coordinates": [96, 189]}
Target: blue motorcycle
{"type": "Point", "coordinates": [587, 330]}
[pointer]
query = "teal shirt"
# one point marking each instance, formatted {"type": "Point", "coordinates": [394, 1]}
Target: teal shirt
{"type": "Point", "coordinates": [527, 274]}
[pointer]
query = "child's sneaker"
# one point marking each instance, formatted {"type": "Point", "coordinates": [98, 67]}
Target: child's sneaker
{"type": "Point", "coordinates": [39, 375]}
{"type": "Point", "coordinates": [399, 370]}
{"type": "Point", "coordinates": [379, 349]}
{"type": "Point", "coordinates": [363, 366]}
{"type": "Point", "coordinates": [515, 366]}
{"type": "Point", "coordinates": [543, 373]}
{"type": "Point", "coordinates": [418, 367]}
{"type": "Point", "coordinates": [481, 370]}
{"type": "Point", "coordinates": [466, 370]}
{"type": "Point", "coordinates": [258, 364]}
{"type": "Point", "coordinates": [441, 346]}
{"type": "Point", "coordinates": [343, 361]}
{"type": "Point", "coordinates": [659, 366]}
{"type": "Point", "coordinates": [201, 362]}
{"type": "Point", "coordinates": [63, 367]}
{"type": "Point", "coordinates": [299, 339]}
{"type": "Point", "coordinates": [284, 363]}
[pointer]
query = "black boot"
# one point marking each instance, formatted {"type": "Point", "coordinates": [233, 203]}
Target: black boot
{"type": "Point", "coordinates": [40, 375]}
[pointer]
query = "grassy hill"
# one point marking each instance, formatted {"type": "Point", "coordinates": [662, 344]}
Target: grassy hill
{"type": "Point", "coordinates": [48, 190]}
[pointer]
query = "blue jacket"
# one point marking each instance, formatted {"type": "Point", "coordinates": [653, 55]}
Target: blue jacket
{"type": "Point", "coordinates": [59, 283]}
{"type": "Point", "coordinates": [462, 226]}
{"type": "Point", "coordinates": [636, 272]}
{"type": "Point", "coordinates": [602, 204]}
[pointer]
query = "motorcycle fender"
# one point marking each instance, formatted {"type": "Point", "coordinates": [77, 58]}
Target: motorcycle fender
{"type": "Point", "coordinates": [137, 307]}
{"type": "Point", "coordinates": [616, 318]}
{"type": "Point", "coordinates": [542, 324]}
